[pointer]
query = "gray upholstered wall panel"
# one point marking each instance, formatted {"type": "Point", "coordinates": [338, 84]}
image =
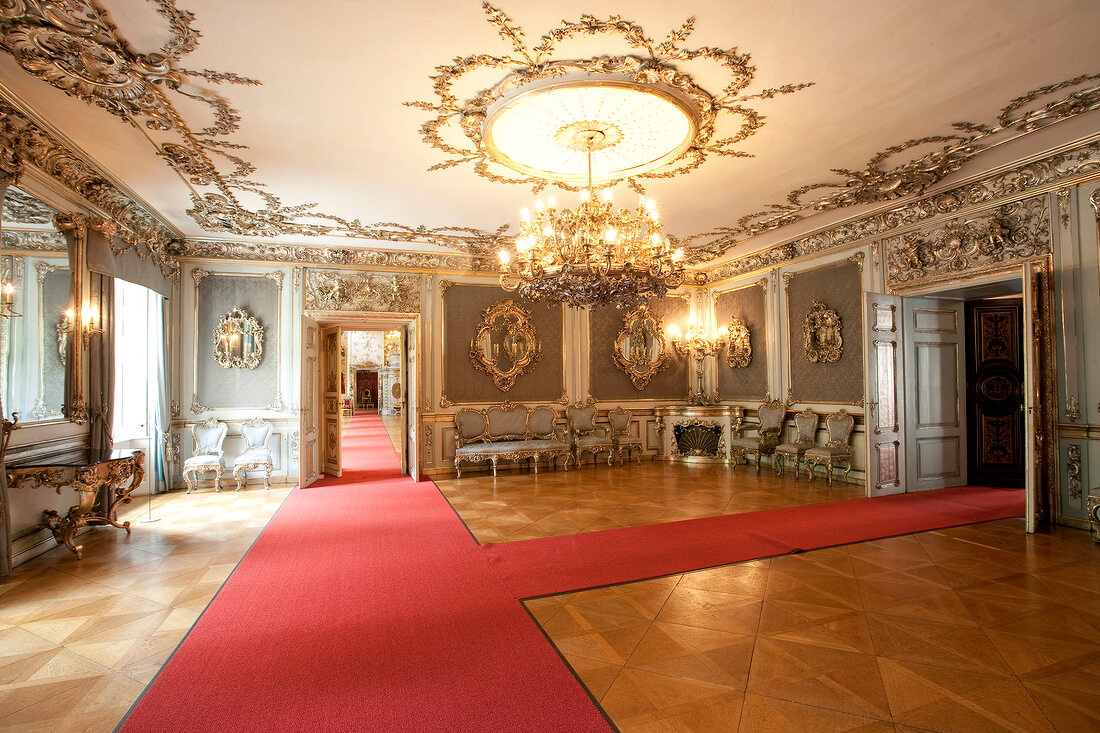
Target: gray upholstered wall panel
{"type": "Point", "coordinates": [462, 383]}
{"type": "Point", "coordinates": [748, 304]}
{"type": "Point", "coordinates": [611, 383]}
{"type": "Point", "coordinates": [839, 287]}
{"type": "Point", "coordinates": [218, 387]}
{"type": "Point", "coordinates": [55, 299]}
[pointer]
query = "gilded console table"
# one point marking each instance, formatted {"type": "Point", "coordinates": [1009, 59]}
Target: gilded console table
{"type": "Point", "coordinates": [116, 474]}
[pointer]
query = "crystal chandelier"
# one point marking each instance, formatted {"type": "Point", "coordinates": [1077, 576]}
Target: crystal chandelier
{"type": "Point", "coordinates": [593, 254]}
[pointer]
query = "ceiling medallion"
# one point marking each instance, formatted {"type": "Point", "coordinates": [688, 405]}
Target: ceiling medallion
{"type": "Point", "coordinates": [592, 255]}
{"type": "Point", "coordinates": [663, 121]}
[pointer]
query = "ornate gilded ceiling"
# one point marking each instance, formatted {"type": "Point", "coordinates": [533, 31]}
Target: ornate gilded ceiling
{"type": "Point", "coordinates": [233, 165]}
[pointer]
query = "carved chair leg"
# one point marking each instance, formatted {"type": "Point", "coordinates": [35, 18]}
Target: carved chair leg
{"type": "Point", "coordinates": [494, 460]}
{"type": "Point", "coordinates": [238, 478]}
{"type": "Point", "coordinates": [535, 460]}
{"type": "Point", "coordinates": [187, 480]}
{"type": "Point", "coordinates": [267, 477]}
{"type": "Point", "coordinates": [847, 470]}
{"type": "Point", "coordinates": [757, 454]}
{"type": "Point", "coordinates": [457, 469]}
{"type": "Point", "coordinates": [778, 462]}
{"type": "Point", "coordinates": [218, 480]}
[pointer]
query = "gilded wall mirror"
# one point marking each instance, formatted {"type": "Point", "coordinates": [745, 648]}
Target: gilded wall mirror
{"type": "Point", "coordinates": [640, 348]}
{"type": "Point", "coordinates": [36, 280]}
{"type": "Point", "coordinates": [738, 345]}
{"type": "Point", "coordinates": [238, 340]}
{"type": "Point", "coordinates": [506, 345]}
{"type": "Point", "coordinates": [821, 334]}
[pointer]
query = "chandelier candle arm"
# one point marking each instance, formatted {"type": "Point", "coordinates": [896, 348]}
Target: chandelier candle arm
{"type": "Point", "coordinates": [593, 254]}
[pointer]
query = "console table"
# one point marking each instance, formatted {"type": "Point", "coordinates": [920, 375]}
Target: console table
{"type": "Point", "coordinates": [116, 474]}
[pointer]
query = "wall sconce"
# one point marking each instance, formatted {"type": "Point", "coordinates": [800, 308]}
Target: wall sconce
{"type": "Point", "coordinates": [7, 302]}
{"type": "Point", "coordinates": [88, 324]}
{"type": "Point", "coordinates": [697, 343]}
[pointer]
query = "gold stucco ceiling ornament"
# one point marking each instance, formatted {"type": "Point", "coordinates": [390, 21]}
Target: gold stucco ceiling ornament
{"type": "Point", "coordinates": [657, 122]}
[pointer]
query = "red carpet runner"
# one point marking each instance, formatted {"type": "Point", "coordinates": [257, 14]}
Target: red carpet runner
{"type": "Point", "coordinates": [365, 606]}
{"type": "Point", "coordinates": [558, 564]}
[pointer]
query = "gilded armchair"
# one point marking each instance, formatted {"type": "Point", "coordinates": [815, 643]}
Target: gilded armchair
{"type": "Point", "coordinates": [771, 416]}
{"type": "Point", "coordinates": [256, 454]}
{"type": "Point", "coordinates": [586, 436]}
{"type": "Point", "coordinates": [620, 434]}
{"type": "Point", "coordinates": [838, 450]}
{"type": "Point", "coordinates": [207, 438]}
{"type": "Point", "coordinates": [805, 424]}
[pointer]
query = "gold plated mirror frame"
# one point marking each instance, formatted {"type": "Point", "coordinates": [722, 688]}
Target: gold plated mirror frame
{"type": "Point", "coordinates": [738, 345]}
{"type": "Point", "coordinates": [237, 323]}
{"type": "Point", "coordinates": [520, 325]}
{"type": "Point", "coordinates": [821, 334]}
{"type": "Point", "coordinates": [632, 322]}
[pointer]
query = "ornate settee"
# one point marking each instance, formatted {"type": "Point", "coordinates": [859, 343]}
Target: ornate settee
{"type": "Point", "coordinates": [510, 432]}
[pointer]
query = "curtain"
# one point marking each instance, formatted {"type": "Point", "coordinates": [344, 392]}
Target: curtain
{"type": "Point", "coordinates": [158, 339]}
{"type": "Point", "coordinates": [101, 365]}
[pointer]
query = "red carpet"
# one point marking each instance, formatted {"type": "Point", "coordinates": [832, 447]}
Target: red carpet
{"type": "Point", "coordinates": [558, 564]}
{"type": "Point", "coordinates": [365, 606]}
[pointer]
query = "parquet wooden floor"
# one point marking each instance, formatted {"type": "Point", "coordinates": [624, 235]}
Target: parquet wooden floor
{"type": "Point", "coordinates": [522, 505]}
{"type": "Point", "coordinates": [978, 628]}
{"type": "Point", "coordinates": [80, 639]}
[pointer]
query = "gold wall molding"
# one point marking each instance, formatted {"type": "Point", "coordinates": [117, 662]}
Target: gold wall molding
{"type": "Point", "coordinates": [22, 208]}
{"type": "Point", "coordinates": [1038, 175]}
{"type": "Point", "coordinates": [27, 241]}
{"type": "Point", "coordinates": [519, 343]}
{"type": "Point", "coordinates": [650, 62]}
{"type": "Point", "coordinates": [330, 290]}
{"type": "Point", "coordinates": [821, 334]}
{"type": "Point", "coordinates": [633, 357]}
{"type": "Point", "coordinates": [314, 255]}
{"type": "Point", "coordinates": [1016, 231]}
{"type": "Point", "coordinates": [738, 345]}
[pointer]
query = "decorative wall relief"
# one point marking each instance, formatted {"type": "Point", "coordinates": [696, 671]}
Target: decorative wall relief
{"type": "Point", "coordinates": [506, 344]}
{"type": "Point", "coordinates": [738, 345]}
{"type": "Point", "coordinates": [821, 334]}
{"type": "Point", "coordinates": [1073, 471]}
{"type": "Point", "coordinates": [640, 348]}
{"type": "Point", "coordinates": [1017, 231]}
{"type": "Point", "coordinates": [238, 341]}
{"type": "Point", "coordinates": [327, 290]}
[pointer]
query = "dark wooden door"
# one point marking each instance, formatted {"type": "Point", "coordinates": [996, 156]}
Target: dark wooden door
{"type": "Point", "coordinates": [995, 392]}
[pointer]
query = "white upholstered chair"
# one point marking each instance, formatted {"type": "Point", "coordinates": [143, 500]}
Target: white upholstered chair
{"type": "Point", "coordinates": [771, 415]}
{"type": "Point", "coordinates": [586, 435]}
{"type": "Point", "coordinates": [620, 434]}
{"type": "Point", "coordinates": [805, 424]}
{"type": "Point", "coordinates": [838, 450]}
{"type": "Point", "coordinates": [208, 437]}
{"type": "Point", "coordinates": [256, 456]}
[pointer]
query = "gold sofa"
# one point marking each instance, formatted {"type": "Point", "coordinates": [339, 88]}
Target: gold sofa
{"type": "Point", "coordinates": [511, 432]}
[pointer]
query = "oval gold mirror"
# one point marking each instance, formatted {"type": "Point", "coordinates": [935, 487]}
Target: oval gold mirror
{"type": "Point", "coordinates": [640, 347]}
{"type": "Point", "coordinates": [505, 345]}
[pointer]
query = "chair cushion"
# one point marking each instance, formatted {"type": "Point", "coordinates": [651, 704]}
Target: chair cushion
{"type": "Point", "coordinates": [258, 455]}
{"type": "Point", "coordinates": [511, 446]}
{"type": "Point", "coordinates": [208, 462]}
{"type": "Point", "coordinates": [627, 440]}
{"type": "Point", "coordinates": [750, 443]}
{"type": "Point", "coordinates": [587, 441]}
{"type": "Point", "coordinates": [829, 450]}
{"type": "Point", "coordinates": [790, 448]}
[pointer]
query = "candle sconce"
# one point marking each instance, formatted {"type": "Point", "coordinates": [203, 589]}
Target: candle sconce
{"type": "Point", "coordinates": [697, 343]}
{"type": "Point", "coordinates": [7, 302]}
{"type": "Point", "coordinates": [68, 323]}
{"type": "Point", "coordinates": [238, 340]}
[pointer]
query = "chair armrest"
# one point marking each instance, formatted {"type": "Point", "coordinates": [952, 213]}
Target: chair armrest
{"type": "Point", "coordinates": [738, 428]}
{"type": "Point", "coordinates": [563, 434]}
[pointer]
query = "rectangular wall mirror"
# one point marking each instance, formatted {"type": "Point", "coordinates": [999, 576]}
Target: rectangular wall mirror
{"type": "Point", "coordinates": [35, 332]}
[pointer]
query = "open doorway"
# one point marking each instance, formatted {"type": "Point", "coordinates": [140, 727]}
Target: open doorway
{"type": "Point", "coordinates": [357, 371]}
{"type": "Point", "coordinates": [955, 392]}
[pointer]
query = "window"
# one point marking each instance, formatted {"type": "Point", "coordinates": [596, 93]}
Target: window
{"type": "Point", "coordinates": [137, 322]}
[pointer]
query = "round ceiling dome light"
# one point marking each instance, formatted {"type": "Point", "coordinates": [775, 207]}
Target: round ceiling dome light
{"type": "Point", "coordinates": [631, 128]}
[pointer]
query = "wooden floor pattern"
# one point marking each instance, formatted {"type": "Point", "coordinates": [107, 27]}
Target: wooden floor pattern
{"type": "Point", "coordinates": [977, 628]}
{"type": "Point", "coordinates": [80, 639]}
{"type": "Point", "coordinates": [522, 505]}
